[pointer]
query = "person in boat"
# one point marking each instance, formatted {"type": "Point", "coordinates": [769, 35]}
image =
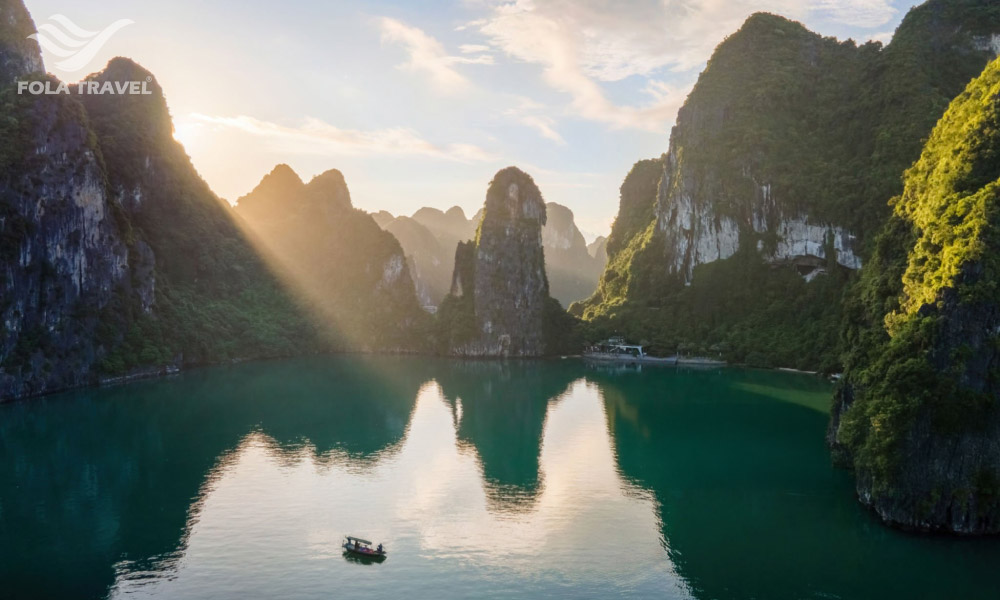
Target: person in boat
{"type": "Point", "coordinates": [380, 548]}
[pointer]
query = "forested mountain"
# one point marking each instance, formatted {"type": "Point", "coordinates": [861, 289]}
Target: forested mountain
{"type": "Point", "coordinates": [92, 282]}
{"type": "Point", "coordinates": [115, 256]}
{"type": "Point", "coordinates": [744, 236]}
{"type": "Point", "coordinates": [917, 417]}
{"type": "Point", "coordinates": [351, 274]}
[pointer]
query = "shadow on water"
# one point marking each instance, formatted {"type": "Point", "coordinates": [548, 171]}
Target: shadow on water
{"type": "Point", "coordinates": [499, 411]}
{"type": "Point", "coordinates": [749, 504]}
{"type": "Point", "coordinates": [101, 476]}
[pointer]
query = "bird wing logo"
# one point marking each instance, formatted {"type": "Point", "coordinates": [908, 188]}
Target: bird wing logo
{"type": "Point", "coordinates": [73, 44]}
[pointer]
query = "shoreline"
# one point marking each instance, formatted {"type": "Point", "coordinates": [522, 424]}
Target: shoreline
{"type": "Point", "coordinates": [174, 369]}
{"type": "Point", "coordinates": [669, 361]}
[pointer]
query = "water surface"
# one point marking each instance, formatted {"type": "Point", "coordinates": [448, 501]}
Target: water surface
{"type": "Point", "coordinates": [540, 479]}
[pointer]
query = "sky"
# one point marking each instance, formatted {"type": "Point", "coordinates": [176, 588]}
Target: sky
{"type": "Point", "coordinates": [420, 103]}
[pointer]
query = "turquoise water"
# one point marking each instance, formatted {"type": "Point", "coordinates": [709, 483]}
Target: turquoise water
{"type": "Point", "coordinates": [484, 480]}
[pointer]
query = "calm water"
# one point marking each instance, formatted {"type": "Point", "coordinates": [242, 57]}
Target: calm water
{"type": "Point", "coordinates": [524, 480]}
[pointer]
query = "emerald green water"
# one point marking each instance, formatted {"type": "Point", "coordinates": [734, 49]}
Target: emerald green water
{"type": "Point", "coordinates": [484, 480]}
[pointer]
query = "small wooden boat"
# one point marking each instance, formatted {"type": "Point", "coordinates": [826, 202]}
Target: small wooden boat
{"type": "Point", "coordinates": [356, 546]}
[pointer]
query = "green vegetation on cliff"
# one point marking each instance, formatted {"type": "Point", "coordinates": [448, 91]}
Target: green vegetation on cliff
{"type": "Point", "coordinates": [215, 298]}
{"type": "Point", "coordinates": [921, 378]}
{"type": "Point", "coordinates": [499, 303]}
{"type": "Point", "coordinates": [783, 127]}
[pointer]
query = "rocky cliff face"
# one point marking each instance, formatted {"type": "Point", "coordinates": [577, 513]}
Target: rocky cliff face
{"type": "Point", "coordinates": [352, 273]}
{"type": "Point", "coordinates": [64, 257]}
{"type": "Point", "coordinates": [62, 245]}
{"type": "Point", "coordinates": [598, 250]}
{"type": "Point", "coordinates": [19, 55]}
{"type": "Point", "coordinates": [500, 293]}
{"type": "Point", "coordinates": [784, 154]}
{"type": "Point", "coordinates": [430, 264]}
{"type": "Point", "coordinates": [572, 271]}
{"type": "Point", "coordinates": [694, 232]}
{"type": "Point", "coordinates": [430, 236]}
{"type": "Point", "coordinates": [918, 417]}
{"type": "Point", "coordinates": [429, 239]}
{"type": "Point", "coordinates": [115, 257]}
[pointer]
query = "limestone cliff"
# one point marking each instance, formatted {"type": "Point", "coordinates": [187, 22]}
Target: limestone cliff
{"type": "Point", "coordinates": [19, 54]}
{"type": "Point", "coordinates": [430, 236]}
{"type": "Point", "coordinates": [499, 303]}
{"type": "Point", "coordinates": [598, 250]}
{"type": "Point", "coordinates": [918, 415]}
{"type": "Point", "coordinates": [115, 257]}
{"type": "Point", "coordinates": [780, 165]}
{"type": "Point", "coordinates": [64, 255]}
{"type": "Point", "coordinates": [430, 263]}
{"type": "Point", "coordinates": [572, 271]}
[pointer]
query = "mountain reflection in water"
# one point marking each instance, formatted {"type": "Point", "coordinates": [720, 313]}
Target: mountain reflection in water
{"type": "Point", "coordinates": [483, 479]}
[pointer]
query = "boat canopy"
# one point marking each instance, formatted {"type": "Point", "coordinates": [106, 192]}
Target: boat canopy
{"type": "Point", "coordinates": [351, 538]}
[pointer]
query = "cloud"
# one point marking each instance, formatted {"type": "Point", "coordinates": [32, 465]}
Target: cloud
{"type": "Point", "coordinates": [317, 137]}
{"type": "Point", "coordinates": [473, 48]}
{"type": "Point", "coordinates": [427, 55]}
{"type": "Point", "coordinates": [528, 113]}
{"type": "Point", "coordinates": [544, 125]}
{"type": "Point", "coordinates": [583, 45]}
{"type": "Point", "coordinates": [471, 24]}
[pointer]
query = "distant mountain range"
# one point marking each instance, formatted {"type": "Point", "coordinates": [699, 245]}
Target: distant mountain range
{"type": "Point", "coordinates": [429, 238]}
{"type": "Point", "coordinates": [350, 274]}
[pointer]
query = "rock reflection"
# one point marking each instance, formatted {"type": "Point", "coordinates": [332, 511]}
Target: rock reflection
{"type": "Point", "coordinates": [499, 410]}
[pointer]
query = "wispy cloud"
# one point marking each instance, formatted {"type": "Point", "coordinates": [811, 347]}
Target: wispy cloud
{"type": "Point", "coordinates": [318, 137]}
{"type": "Point", "coordinates": [471, 24]}
{"type": "Point", "coordinates": [582, 45]}
{"type": "Point", "coordinates": [473, 48]}
{"type": "Point", "coordinates": [531, 114]}
{"type": "Point", "coordinates": [427, 55]}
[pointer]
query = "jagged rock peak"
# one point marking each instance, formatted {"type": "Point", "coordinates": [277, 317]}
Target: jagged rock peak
{"type": "Point", "coordinates": [513, 195]}
{"type": "Point", "coordinates": [330, 186]}
{"type": "Point", "coordinates": [121, 69]}
{"type": "Point", "coordinates": [599, 248]}
{"type": "Point", "coordinates": [124, 68]}
{"type": "Point", "coordinates": [499, 281]}
{"type": "Point", "coordinates": [282, 178]}
{"type": "Point", "coordinates": [456, 213]}
{"type": "Point", "coordinates": [383, 218]}
{"type": "Point", "coordinates": [147, 114]}
{"type": "Point", "coordinates": [19, 54]}
{"type": "Point", "coordinates": [280, 185]}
